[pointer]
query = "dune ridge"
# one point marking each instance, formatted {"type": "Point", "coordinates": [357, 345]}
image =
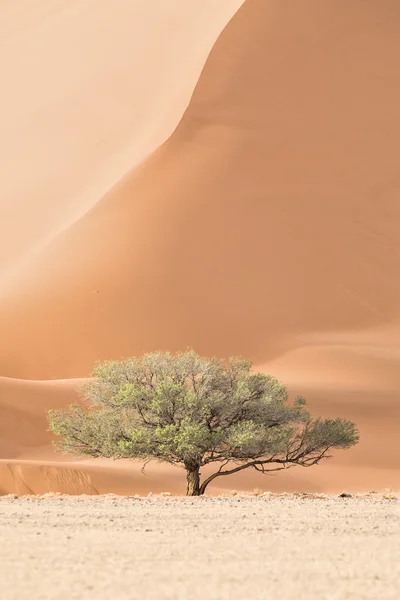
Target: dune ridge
{"type": "Point", "coordinates": [89, 89]}
{"type": "Point", "coordinates": [267, 225]}
{"type": "Point", "coordinates": [279, 183]}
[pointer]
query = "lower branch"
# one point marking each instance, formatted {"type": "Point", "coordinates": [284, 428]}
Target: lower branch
{"type": "Point", "coordinates": [259, 465]}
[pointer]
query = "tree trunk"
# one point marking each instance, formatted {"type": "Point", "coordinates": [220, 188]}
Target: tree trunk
{"type": "Point", "coordinates": [193, 481]}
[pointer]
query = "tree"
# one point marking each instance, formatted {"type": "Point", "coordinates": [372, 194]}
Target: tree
{"type": "Point", "coordinates": [192, 411]}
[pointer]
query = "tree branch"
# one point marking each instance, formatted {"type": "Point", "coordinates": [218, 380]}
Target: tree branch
{"type": "Point", "coordinates": [259, 465]}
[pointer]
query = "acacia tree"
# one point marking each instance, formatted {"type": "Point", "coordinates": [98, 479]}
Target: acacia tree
{"type": "Point", "coordinates": [192, 411]}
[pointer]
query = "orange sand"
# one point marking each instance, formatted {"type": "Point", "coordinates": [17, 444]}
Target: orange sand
{"type": "Point", "coordinates": [267, 225]}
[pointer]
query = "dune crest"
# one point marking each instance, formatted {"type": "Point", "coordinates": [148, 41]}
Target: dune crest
{"type": "Point", "coordinates": [89, 89]}
{"type": "Point", "coordinates": [270, 213]}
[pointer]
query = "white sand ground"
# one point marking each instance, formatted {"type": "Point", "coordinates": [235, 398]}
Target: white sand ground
{"type": "Point", "coordinates": [275, 547]}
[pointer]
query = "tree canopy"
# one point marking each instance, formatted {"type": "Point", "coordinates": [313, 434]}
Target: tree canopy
{"type": "Point", "coordinates": [192, 411]}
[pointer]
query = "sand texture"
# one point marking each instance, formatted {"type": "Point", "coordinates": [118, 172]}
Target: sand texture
{"type": "Point", "coordinates": [289, 548]}
{"type": "Point", "coordinates": [179, 175]}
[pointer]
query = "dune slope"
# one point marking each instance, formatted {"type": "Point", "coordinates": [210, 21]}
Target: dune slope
{"type": "Point", "coordinates": [89, 88]}
{"type": "Point", "coordinates": [270, 213]}
{"type": "Point", "coordinates": [268, 225]}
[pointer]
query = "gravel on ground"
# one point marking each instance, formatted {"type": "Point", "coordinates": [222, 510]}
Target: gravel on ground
{"type": "Point", "coordinates": [283, 547]}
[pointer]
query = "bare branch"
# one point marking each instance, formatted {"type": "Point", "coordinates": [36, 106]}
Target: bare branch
{"type": "Point", "coordinates": [143, 469]}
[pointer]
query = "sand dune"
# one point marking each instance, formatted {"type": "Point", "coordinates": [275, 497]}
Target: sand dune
{"type": "Point", "coordinates": [267, 225]}
{"type": "Point", "coordinates": [272, 212]}
{"type": "Point", "coordinates": [23, 425]}
{"type": "Point", "coordinates": [23, 477]}
{"type": "Point", "coordinates": [89, 88]}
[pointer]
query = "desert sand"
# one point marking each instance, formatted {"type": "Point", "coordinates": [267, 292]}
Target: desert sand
{"type": "Point", "coordinates": [216, 548]}
{"type": "Point", "coordinates": [266, 225]}
{"type": "Point", "coordinates": [89, 89]}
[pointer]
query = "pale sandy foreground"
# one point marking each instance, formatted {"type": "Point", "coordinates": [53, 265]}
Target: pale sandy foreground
{"type": "Point", "coordinates": [278, 547]}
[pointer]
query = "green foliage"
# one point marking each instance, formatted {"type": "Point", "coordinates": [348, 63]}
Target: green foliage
{"type": "Point", "coordinates": [189, 410]}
